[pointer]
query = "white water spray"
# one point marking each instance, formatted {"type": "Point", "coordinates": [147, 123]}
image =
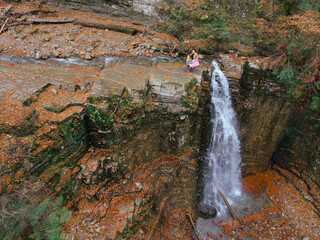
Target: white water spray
{"type": "Point", "coordinates": [222, 165]}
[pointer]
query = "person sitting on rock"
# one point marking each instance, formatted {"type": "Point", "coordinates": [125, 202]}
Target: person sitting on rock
{"type": "Point", "coordinates": [194, 55]}
{"type": "Point", "coordinates": [191, 57]}
{"type": "Point", "coordinates": [189, 60]}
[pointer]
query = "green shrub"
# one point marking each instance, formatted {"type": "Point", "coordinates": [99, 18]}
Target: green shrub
{"type": "Point", "coordinates": [94, 99]}
{"type": "Point", "coordinates": [289, 77]}
{"type": "Point", "coordinates": [293, 6]}
{"type": "Point", "coordinates": [98, 117]}
{"type": "Point", "coordinates": [28, 218]}
{"type": "Point", "coordinates": [190, 100]}
{"type": "Point", "coordinates": [315, 103]}
{"type": "Point", "coordinates": [217, 29]}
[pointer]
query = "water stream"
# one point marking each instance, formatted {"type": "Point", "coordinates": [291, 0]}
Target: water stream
{"type": "Point", "coordinates": [222, 165]}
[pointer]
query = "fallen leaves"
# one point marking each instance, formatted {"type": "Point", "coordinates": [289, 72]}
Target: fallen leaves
{"type": "Point", "coordinates": [289, 215]}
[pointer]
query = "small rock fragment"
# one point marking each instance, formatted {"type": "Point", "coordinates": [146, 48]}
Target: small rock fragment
{"type": "Point", "coordinates": [174, 55]}
{"type": "Point", "coordinates": [88, 56]}
{"type": "Point", "coordinates": [138, 201]}
{"type": "Point", "coordinates": [138, 184]}
{"type": "Point", "coordinates": [54, 91]}
{"type": "Point", "coordinates": [70, 38]}
{"type": "Point", "coordinates": [55, 53]}
{"type": "Point", "coordinates": [55, 46]}
{"type": "Point", "coordinates": [46, 38]}
{"type": "Point", "coordinates": [45, 56]}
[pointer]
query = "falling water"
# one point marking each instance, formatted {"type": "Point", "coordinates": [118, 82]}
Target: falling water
{"type": "Point", "coordinates": [222, 166]}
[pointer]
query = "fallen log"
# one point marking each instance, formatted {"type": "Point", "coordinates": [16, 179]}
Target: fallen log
{"type": "Point", "coordinates": [28, 21]}
{"type": "Point", "coordinates": [193, 226]}
{"type": "Point", "coordinates": [113, 27]}
{"type": "Point", "coordinates": [228, 205]}
{"type": "Point", "coordinates": [47, 21]}
{"type": "Point", "coordinates": [32, 13]}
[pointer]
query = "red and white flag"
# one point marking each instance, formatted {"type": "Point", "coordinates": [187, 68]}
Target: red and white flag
{"type": "Point", "coordinates": [194, 63]}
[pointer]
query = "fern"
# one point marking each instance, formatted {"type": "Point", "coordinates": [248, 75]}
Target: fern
{"type": "Point", "coordinates": [29, 218]}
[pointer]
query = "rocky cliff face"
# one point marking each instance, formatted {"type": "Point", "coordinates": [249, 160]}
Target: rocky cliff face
{"type": "Point", "coordinates": [262, 108]}
{"type": "Point", "coordinates": [299, 150]}
{"type": "Point", "coordinates": [118, 140]}
{"type": "Point", "coordinates": [264, 112]}
{"type": "Point", "coordinates": [274, 128]}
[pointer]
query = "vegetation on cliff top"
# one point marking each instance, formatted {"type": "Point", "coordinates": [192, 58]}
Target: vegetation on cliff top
{"type": "Point", "coordinates": [286, 29]}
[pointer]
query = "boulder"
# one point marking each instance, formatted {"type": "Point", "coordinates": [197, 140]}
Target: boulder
{"type": "Point", "coordinates": [207, 211]}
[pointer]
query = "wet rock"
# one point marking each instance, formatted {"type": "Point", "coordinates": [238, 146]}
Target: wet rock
{"type": "Point", "coordinates": [207, 211]}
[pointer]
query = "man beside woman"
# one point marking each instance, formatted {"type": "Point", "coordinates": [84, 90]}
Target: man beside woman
{"type": "Point", "coordinates": [190, 63]}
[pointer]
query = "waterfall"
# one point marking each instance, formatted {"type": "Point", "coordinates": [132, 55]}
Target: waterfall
{"type": "Point", "coordinates": [222, 164]}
